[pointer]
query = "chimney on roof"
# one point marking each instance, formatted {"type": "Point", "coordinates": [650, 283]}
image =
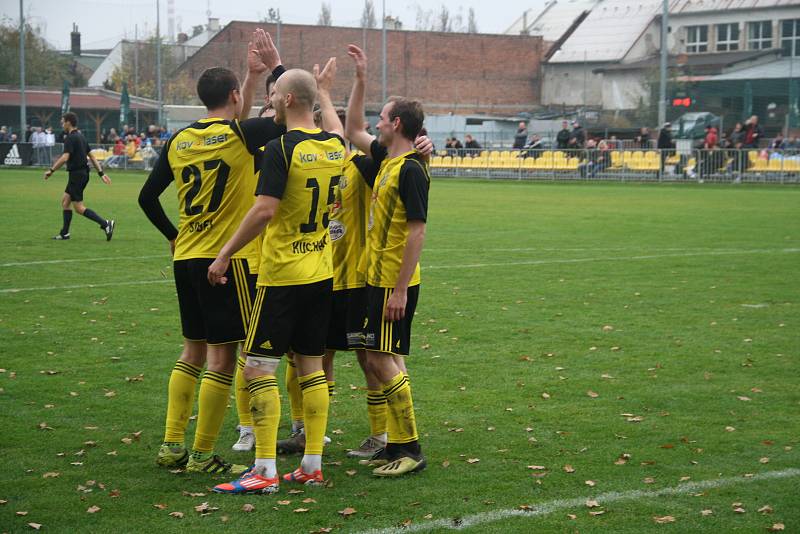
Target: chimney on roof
{"type": "Point", "coordinates": [182, 38]}
{"type": "Point", "coordinates": [213, 24]}
{"type": "Point", "coordinates": [75, 40]}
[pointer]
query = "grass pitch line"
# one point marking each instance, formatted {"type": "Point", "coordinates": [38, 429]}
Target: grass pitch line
{"type": "Point", "coordinates": [557, 505]}
{"type": "Point", "coordinates": [615, 258]}
{"type": "Point", "coordinates": [86, 286]}
{"type": "Point", "coordinates": [79, 260]}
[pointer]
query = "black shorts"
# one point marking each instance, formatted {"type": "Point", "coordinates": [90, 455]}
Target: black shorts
{"type": "Point", "coordinates": [76, 183]}
{"type": "Point", "coordinates": [383, 336]}
{"type": "Point", "coordinates": [290, 318]}
{"type": "Point", "coordinates": [214, 314]}
{"type": "Point", "coordinates": [346, 328]}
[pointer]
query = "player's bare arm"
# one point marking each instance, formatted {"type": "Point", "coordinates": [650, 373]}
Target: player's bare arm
{"type": "Point", "coordinates": [396, 303]}
{"type": "Point", "coordinates": [253, 224]}
{"type": "Point", "coordinates": [330, 119]}
{"type": "Point", "coordinates": [354, 122]}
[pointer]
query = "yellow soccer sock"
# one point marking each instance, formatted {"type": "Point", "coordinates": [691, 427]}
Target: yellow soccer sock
{"type": "Point", "coordinates": [315, 410]}
{"type": "Point", "coordinates": [180, 400]}
{"type": "Point", "coordinates": [212, 403]}
{"type": "Point", "coordinates": [331, 387]}
{"type": "Point", "coordinates": [242, 395]}
{"type": "Point", "coordinates": [376, 411]}
{"type": "Point", "coordinates": [402, 425]}
{"type": "Point", "coordinates": [265, 406]}
{"type": "Point", "coordinates": [295, 395]}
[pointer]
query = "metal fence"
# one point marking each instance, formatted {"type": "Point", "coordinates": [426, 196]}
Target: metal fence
{"type": "Point", "coordinates": [722, 165]}
{"type": "Point", "coordinates": [110, 156]}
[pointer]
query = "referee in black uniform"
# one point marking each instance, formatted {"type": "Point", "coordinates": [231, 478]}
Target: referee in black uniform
{"type": "Point", "coordinates": [76, 151]}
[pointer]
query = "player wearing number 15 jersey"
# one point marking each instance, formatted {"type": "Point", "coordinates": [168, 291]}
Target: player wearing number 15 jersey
{"type": "Point", "coordinates": [211, 162]}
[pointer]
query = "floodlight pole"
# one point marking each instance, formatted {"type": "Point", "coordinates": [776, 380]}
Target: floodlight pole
{"type": "Point", "coordinates": [23, 119]}
{"type": "Point", "coordinates": [383, 70]}
{"type": "Point", "coordinates": [662, 86]}
{"type": "Point", "coordinates": [158, 62]}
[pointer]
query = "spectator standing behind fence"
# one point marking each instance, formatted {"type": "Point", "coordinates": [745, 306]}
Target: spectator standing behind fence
{"type": "Point", "coordinates": [779, 143]}
{"type": "Point", "coordinates": [664, 143]}
{"type": "Point", "coordinates": [471, 145]}
{"type": "Point", "coordinates": [534, 147]}
{"type": "Point", "coordinates": [643, 139]}
{"type": "Point", "coordinates": [458, 148]}
{"type": "Point", "coordinates": [521, 137]}
{"type": "Point", "coordinates": [753, 132]}
{"type": "Point", "coordinates": [3, 134]}
{"type": "Point", "coordinates": [562, 138]}
{"type": "Point", "coordinates": [736, 142]}
{"type": "Point", "coordinates": [577, 137]}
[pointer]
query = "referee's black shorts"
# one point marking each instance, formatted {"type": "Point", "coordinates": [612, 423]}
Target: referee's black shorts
{"type": "Point", "coordinates": [214, 314]}
{"type": "Point", "coordinates": [76, 183]}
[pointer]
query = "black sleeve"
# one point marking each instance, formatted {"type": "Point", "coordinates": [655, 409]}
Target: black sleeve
{"type": "Point", "coordinates": [274, 171]}
{"type": "Point", "coordinates": [413, 189]}
{"type": "Point", "coordinates": [258, 132]}
{"type": "Point", "coordinates": [69, 145]}
{"type": "Point", "coordinates": [378, 153]}
{"type": "Point", "coordinates": [156, 183]}
{"type": "Point", "coordinates": [367, 167]}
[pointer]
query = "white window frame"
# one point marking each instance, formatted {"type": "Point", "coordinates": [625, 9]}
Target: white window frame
{"type": "Point", "coordinates": [693, 43]}
{"type": "Point", "coordinates": [755, 35]}
{"type": "Point", "coordinates": [726, 42]}
{"type": "Point", "coordinates": [793, 38]}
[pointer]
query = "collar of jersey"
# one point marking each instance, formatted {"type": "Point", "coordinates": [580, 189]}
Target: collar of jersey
{"type": "Point", "coordinates": [306, 130]}
{"type": "Point", "coordinates": [211, 119]}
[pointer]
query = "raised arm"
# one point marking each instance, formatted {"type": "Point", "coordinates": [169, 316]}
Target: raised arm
{"type": "Point", "coordinates": [262, 56]}
{"type": "Point", "coordinates": [354, 123]}
{"type": "Point", "coordinates": [330, 119]}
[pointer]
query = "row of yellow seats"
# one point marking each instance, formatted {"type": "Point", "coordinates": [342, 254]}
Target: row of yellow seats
{"type": "Point", "coordinates": [526, 163]}
{"type": "Point", "coordinates": [774, 165]}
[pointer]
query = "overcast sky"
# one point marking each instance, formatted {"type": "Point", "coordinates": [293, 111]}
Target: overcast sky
{"type": "Point", "coordinates": [103, 23]}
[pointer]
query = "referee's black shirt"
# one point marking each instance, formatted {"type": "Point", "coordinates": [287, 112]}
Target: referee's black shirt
{"type": "Point", "coordinates": [78, 149]}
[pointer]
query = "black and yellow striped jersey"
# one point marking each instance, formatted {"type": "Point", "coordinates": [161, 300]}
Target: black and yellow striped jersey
{"type": "Point", "coordinates": [212, 163]}
{"type": "Point", "coordinates": [348, 225]}
{"type": "Point", "coordinates": [302, 168]}
{"type": "Point", "coordinates": [399, 195]}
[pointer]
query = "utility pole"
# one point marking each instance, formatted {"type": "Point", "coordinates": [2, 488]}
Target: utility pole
{"type": "Point", "coordinates": [136, 70]}
{"type": "Point", "coordinates": [662, 86]}
{"type": "Point", "coordinates": [383, 70]}
{"type": "Point", "coordinates": [23, 119]}
{"type": "Point", "coordinates": [158, 63]}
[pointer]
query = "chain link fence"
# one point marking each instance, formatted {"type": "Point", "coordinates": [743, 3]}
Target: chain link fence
{"type": "Point", "coordinates": [111, 157]}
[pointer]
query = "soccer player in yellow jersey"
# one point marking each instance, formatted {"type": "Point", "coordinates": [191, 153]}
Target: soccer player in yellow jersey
{"type": "Point", "coordinates": [212, 163]}
{"type": "Point", "coordinates": [292, 306]}
{"type": "Point", "coordinates": [395, 235]}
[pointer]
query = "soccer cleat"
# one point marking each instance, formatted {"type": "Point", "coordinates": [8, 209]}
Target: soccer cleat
{"type": "Point", "coordinates": [247, 440]}
{"type": "Point", "coordinates": [172, 456]}
{"type": "Point", "coordinates": [307, 479]}
{"type": "Point", "coordinates": [380, 458]}
{"type": "Point", "coordinates": [109, 229]}
{"type": "Point", "coordinates": [296, 442]}
{"type": "Point", "coordinates": [61, 237]}
{"type": "Point", "coordinates": [401, 466]}
{"type": "Point", "coordinates": [213, 465]}
{"type": "Point", "coordinates": [249, 483]}
{"type": "Point", "coordinates": [368, 448]}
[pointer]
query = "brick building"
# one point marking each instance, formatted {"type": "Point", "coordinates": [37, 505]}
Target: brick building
{"type": "Point", "coordinates": [455, 73]}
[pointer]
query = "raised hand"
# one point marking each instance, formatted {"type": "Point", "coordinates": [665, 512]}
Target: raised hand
{"type": "Point", "coordinates": [359, 58]}
{"type": "Point", "coordinates": [266, 49]}
{"type": "Point", "coordinates": [326, 77]}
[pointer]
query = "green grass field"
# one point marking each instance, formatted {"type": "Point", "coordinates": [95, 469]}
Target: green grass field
{"type": "Point", "coordinates": [636, 345]}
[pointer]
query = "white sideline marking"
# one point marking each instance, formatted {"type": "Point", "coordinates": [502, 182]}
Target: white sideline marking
{"type": "Point", "coordinates": [580, 502]}
{"type": "Point", "coordinates": [79, 260]}
{"type": "Point", "coordinates": [85, 286]}
{"type": "Point", "coordinates": [465, 266]}
{"type": "Point", "coordinates": [615, 258]}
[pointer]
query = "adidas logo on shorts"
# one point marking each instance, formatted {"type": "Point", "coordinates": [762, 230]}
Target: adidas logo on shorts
{"type": "Point", "coordinates": [266, 345]}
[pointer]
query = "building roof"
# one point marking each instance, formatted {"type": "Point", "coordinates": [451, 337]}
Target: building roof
{"type": "Point", "coordinates": [552, 20]}
{"type": "Point", "coordinates": [695, 6]}
{"type": "Point", "coordinates": [718, 60]}
{"type": "Point", "coordinates": [783, 68]}
{"type": "Point", "coordinates": [609, 31]}
{"type": "Point", "coordinates": [82, 98]}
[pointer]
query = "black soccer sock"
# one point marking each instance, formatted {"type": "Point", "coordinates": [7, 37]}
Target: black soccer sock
{"type": "Point", "coordinates": [89, 214]}
{"type": "Point", "coordinates": [67, 215]}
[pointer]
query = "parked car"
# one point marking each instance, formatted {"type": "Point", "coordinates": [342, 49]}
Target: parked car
{"type": "Point", "coordinates": [693, 125]}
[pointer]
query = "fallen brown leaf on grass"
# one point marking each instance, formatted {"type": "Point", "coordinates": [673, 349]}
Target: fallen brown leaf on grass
{"type": "Point", "coordinates": [295, 491]}
{"type": "Point", "coordinates": [537, 467]}
{"type": "Point", "coordinates": [44, 426]}
{"type": "Point", "coordinates": [205, 508]}
{"type": "Point", "coordinates": [22, 513]}
{"type": "Point", "coordinates": [663, 519]}
{"type": "Point", "coordinates": [777, 527]}
{"type": "Point", "coordinates": [51, 474]}
{"type": "Point", "coordinates": [473, 460]}
{"type": "Point", "coordinates": [743, 398]}
{"type": "Point", "coordinates": [160, 506]}
{"type": "Point", "coordinates": [323, 530]}
{"type": "Point", "coordinates": [300, 510]}
{"type": "Point", "coordinates": [706, 512]}
{"type": "Point", "coordinates": [347, 512]}
{"type": "Point", "coordinates": [35, 526]}
{"type": "Point", "coordinates": [93, 509]}
{"type": "Point", "coordinates": [114, 493]}
{"type": "Point", "coordinates": [248, 508]}
{"type": "Point", "coordinates": [649, 480]}
{"type": "Point", "coordinates": [739, 510]}
{"type": "Point", "coordinates": [569, 469]}
{"type": "Point", "coordinates": [176, 515]}
{"type": "Point", "coordinates": [192, 494]}
{"type": "Point", "coordinates": [284, 503]}
{"type": "Point", "coordinates": [446, 464]}
{"type": "Point", "coordinates": [545, 395]}
{"type": "Point", "coordinates": [351, 472]}
{"type": "Point", "coordinates": [763, 460]}
{"type": "Point", "coordinates": [126, 441]}
{"type": "Point", "coordinates": [592, 504]}
{"type": "Point", "coordinates": [766, 509]}
{"type": "Point", "coordinates": [309, 500]}
{"type": "Point", "coordinates": [597, 512]}
{"type": "Point", "coordinates": [590, 483]}
{"type": "Point", "coordinates": [592, 394]}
